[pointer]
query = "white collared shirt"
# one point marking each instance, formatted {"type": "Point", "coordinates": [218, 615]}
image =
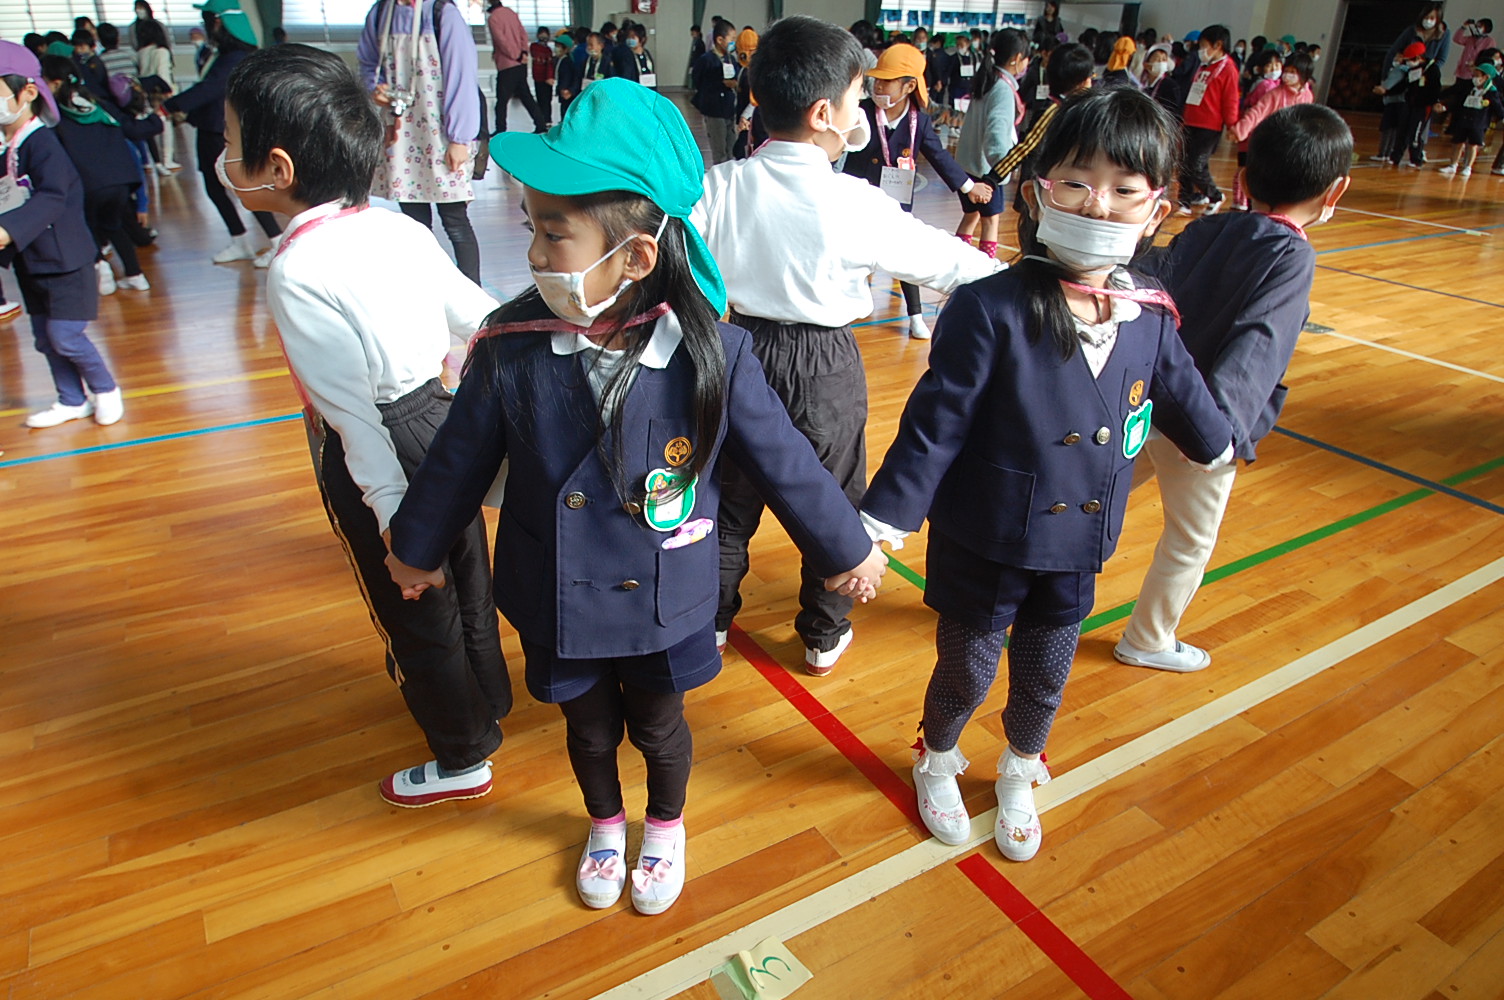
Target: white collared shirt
{"type": "Point", "coordinates": [368, 305]}
{"type": "Point", "coordinates": [796, 241]}
{"type": "Point", "coordinates": [600, 363]}
{"type": "Point", "coordinates": [1098, 339]}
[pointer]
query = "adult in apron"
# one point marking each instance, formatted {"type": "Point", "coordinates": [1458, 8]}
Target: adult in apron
{"type": "Point", "coordinates": [422, 72]}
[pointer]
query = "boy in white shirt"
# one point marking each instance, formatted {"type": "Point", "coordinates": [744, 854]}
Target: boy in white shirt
{"type": "Point", "coordinates": [366, 302]}
{"type": "Point", "coordinates": [797, 243]}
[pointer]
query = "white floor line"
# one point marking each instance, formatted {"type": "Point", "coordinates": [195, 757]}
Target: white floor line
{"type": "Point", "coordinates": [679, 974]}
{"type": "Point", "coordinates": [1414, 222]}
{"type": "Point", "coordinates": [1411, 354]}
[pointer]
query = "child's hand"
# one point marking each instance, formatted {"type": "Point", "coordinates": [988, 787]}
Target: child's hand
{"type": "Point", "coordinates": [412, 580]}
{"type": "Point", "coordinates": [4, 238]}
{"type": "Point", "coordinates": [980, 194]}
{"type": "Point", "coordinates": [1380, 90]}
{"type": "Point", "coordinates": [861, 581]}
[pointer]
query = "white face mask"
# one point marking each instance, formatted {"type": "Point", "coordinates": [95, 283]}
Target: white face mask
{"type": "Point", "coordinates": [1158, 69]}
{"type": "Point", "coordinates": [1083, 244]}
{"type": "Point", "coordinates": [10, 110]}
{"type": "Point", "coordinates": [884, 101]}
{"type": "Point", "coordinates": [857, 142]}
{"type": "Point", "coordinates": [224, 178]}
{"type": "Point", "coordinates": [564, 291]}
{"type": "Point", "coordinates": [1428, 23]}
{"type": "Point", "coordinates": [1272, 74]}
{"type": "Point", "coordinates": [1291, 79]}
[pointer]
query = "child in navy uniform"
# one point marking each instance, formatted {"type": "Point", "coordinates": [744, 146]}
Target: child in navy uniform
{"type": "Point", "coordinates": [44, 237]}
{"type": "Point", "coordinates": [365, 353]}
{"type": "Point", "coordinates": [901, 130]}
{"type": "Point", "coordinates": [1243, 285]}
{"type": "Point", "coordinates": [615, 393]}
{"type": "Point", "coordinates": [1422, 88]}
{"type": "Point", "coordinates": [1018, 445]}
{"type": "Point", "coordinates": [1475, 112]}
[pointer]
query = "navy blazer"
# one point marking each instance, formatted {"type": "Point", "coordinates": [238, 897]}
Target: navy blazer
{"type": "Point", "coordinates": [567, 76]}
{"type": "Point", "coordinates": [48, 231]}
{"type": "Point", "coordinates": [102, 153]}
{"type": "Point", "coordinates": [1017, 454]}
{"type": "Point", "coordinates": [577, 568]}
{"type": "Point", "coordinates": [868, 163]}
{"type": "Point", "coordinates": [713, 98]}
{"type": "Point", "coordinates": [204, 102]}
{"type": "Point", "coordinates": [625, 62]}
{"type": "Point", "coordinates": [1243, 285]}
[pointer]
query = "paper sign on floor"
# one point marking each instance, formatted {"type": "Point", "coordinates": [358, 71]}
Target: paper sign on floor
{"type": "Point", "coordinates": [767, 972]}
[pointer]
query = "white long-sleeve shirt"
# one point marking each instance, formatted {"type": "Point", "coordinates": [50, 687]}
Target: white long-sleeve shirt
{"type": "Point", "coordinates": [796, 241]}
{"type": "Point", "coordinates": [366, 305]}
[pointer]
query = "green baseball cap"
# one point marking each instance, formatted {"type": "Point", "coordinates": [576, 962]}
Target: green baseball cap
{"type": "Point", "coordinates": [620, 136]}
{"type": "Point", "coordinates": [232, 17]}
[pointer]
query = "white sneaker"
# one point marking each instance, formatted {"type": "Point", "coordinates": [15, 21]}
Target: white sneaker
{"type": "Point", "coordinates": [239, 249]}
{"type": "Point", "coordinates": [136, 283]}
{"type": "Point", "coordinates": [108, 407]}
{"type": "Point", "coordinates": [58, 413]}
{"type": "Point", "coordinates": [658, 881]}
{"type": "Point", "coordinates": [818, 664]}
{"type": "Point", "coordinates": [264, 259]}
{"type": "Point", "coordinates": [1381, 159]}
{"type": "Point", "coordinates": [1212, 208]}
{"type": "Point", "coordinates": [1448, 171]}
{"type": "Point", "coordinates": [1183, 210]}
{"type": "Point", "coordinates": [1182, 658]}
{"type": "Point", "coordinates": [720, 641]}
{"type": "Point", "coordinates": [415, 787]}
{"type": "Point", "coordinates": [106, 278]}
{"type": "Point", "coordinates": [917, 328]}
{"type": "Point", "coordinates": [171, 165]}
{"type": "Point", "coordinates": [162, 170]}
{"type": "Point", "coordinates": [1465, 172]}
{"type": "Point", "coordinates": [603, 866]}
{"type": "Point", "coordinates": [940, 803]}
{"type": "Point", "coordinates": [1017, 831]}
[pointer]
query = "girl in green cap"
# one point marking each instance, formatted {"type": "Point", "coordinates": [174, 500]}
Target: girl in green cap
{"type": "Point", "coordinates": [613, 390]}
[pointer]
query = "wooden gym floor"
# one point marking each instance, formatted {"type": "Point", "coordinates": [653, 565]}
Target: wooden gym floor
{"type": "Point", "coordinates": [195, 713]}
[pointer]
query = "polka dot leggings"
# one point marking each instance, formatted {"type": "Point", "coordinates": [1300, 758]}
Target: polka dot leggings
{"type": "Point", "coordinates": [1039, 662]}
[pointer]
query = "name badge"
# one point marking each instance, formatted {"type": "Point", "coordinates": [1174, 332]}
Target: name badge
{"type": "Point", "coordinates": [13, 192]}
{"type": "Point", "coordinates": [1472, 101]}
{"type": "Point", "coordinates": [1136, 428]}
{"type": "Point", "coordinates": [1198, 91]}
{"type": "Point", "coordinates": [967, 71]}
{"type": "Point", "coordinates": [670, 500]}
{"type": "Point", "coordinates": [649, 80]}
{"type": "Point", "coordinates": [1042, 92]}
{"type": "Point", "coordinates": [898, 183]}
{"type": "Point", "coordinates": [963, 104]}
{"type": "Point", "coordinates": [1416, 74]}
{"type": "Point", "coordinates": [728, 71]}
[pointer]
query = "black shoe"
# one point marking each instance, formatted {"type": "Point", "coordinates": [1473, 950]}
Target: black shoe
{"type": "Point", "coordinates": [540, 129]}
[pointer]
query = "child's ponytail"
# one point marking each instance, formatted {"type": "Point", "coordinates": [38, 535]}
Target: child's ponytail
{"type": "Point", "coordinates": [1005, 46]}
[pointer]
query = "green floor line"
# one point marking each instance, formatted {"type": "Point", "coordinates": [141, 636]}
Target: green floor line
{"type": "Point", "coordinates": [1265, 555]}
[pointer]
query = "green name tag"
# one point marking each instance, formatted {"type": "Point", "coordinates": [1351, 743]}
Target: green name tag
{"type": "Point", "coordinates": [1136, 428]}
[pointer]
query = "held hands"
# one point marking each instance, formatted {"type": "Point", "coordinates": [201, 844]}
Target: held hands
{"type": "Point", "coordinates": [412, 580]}
{"type": "Point", "coordinates": [861, 582]}
{"type": "Point", "coordinates": [980, 194]}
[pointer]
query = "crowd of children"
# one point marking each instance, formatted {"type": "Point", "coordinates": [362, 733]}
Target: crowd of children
{"type": "Point", "coordinates": [684, 355]}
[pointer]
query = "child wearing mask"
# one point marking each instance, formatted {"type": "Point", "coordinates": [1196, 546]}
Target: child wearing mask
{"type": "Point", "coordinates": [1471, 119]}
{"type": "Point", "coordinates": [901, 130]}
{"type": "Point", "coordinates": [1294, 88]}
{"type": "Point", "coordinates": [1392, 89]}
{"type": "Point", "coordinates": [1017, 446]}
{"type": "Point", "coordinates": [1211, 104]}
{"type": "Point", "coordinates": [990, 132]}
{"type": "Point", "coordinates": [715, 77]}
{"type": "Point", "coordinates": [1160, 84]}
{"type": "Point", "coordinates": [798, 244]}
{"type": "Point", "coordinates": [304, 139]}
{"type": "Point", "coordinates": [1243, 285]}
{"type": "Point", "coordinates": [1422, 87]}
{"type": "Point", "coordinates": [45, 239]}
{"type": "Point", "coordinates": [566, 73]}
{"type": "Point", "coordinates": [617, 396]}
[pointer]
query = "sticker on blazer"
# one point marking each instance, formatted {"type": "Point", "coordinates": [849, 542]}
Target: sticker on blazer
{"type": "Point", "coordinates": [668, 506]}
{"type": "Point", "coordinates": [1136, 428]}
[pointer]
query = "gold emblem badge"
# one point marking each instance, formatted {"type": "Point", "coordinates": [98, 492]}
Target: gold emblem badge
{"type": "Point", "coordinates": [678, 451]}
{"type": "Point", "coordinates": [1136, 394]}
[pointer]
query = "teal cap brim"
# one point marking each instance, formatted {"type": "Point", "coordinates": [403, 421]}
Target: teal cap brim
{"type": "Point", "coordinates": [534, 161]}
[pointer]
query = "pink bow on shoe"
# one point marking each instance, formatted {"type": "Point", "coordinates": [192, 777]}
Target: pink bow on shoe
{"type": "Point", "coordinates": [611, 870]}
{"type": "Point", "coordinates": [659, 872]}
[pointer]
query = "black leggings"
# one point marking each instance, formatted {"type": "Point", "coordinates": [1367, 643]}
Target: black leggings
{"type": "Point", "coordinates": [208, 146]}
{"type": "Point", "coordinates": [454, 216]}
{"type": "Point", "coordinates": [656, 726]}
{"type": "Point", "coordinates": [108, 210]}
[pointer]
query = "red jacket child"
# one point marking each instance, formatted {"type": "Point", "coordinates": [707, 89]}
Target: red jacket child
{"type": "Point", "coordinates": [1218, 104]}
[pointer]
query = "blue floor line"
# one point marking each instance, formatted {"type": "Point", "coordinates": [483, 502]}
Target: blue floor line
{"type": "Point", "coordinates": [177, 435]}
{"type": "Point", "coordinates": [1429, 484]}
{"type": "Point", "coordinates": [1407, 239]}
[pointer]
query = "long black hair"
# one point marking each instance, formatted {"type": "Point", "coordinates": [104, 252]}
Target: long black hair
{"type": "Point", "coordinates": [621, 214]}
{"type": "Point", "coordinates": [1005, 46]}
{"type": "Point", "coordinates": [1133, 132]}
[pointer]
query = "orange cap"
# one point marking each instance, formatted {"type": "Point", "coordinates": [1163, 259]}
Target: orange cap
{"type": "Point", "coordinates": [899, 61]}
{"type": "Point", "coordinates": [746, 44]}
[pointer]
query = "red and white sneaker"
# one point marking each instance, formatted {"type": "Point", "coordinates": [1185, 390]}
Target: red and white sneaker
{"type": "Point", "coordinates": [1017, 831]}
{"type": "Point", "coordinates": [940, 803]}
{"type": "Point", "coordinates": [415, 787]}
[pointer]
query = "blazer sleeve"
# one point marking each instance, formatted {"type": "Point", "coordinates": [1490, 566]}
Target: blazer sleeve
{"type": "Point", "coordinates": [52, 174]}
{"type": "Point", "coordinates": [445, 494]}
{"type": "Point", "coordinates": [945, 165]}
{"type": "Point", "coordinates": [784, 469]}
{"type": "Point", "coordinates": [1184, 410]}
{"type": "Point", "coordinates": [938, 416]}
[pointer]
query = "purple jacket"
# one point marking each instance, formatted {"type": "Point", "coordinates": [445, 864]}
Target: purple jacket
{"type": "Point", "coordinates": [457, 61]}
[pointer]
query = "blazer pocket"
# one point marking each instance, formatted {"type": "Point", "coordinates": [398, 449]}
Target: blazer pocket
{"type": "Point", "coordinates": [1117, 500]}
{"type": "Point", "coordinates": [688, 580]}
{"type": "Point", "coordinates": [519, 564]}
{"type": "Point", "coordinates": [1004, 497]}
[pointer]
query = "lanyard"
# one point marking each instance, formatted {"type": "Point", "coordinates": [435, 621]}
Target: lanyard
{"type": "Point", "coordinates": [564, 326]}
{"type": "Point", "coordinates": [644, 63]}
{"type": "Point", "coordinates": [386, 44]}
{"type": "Point", "coordinates": [913, 135]}
{"type": "Point", "coordinates": [1143, 296]}
{"type": "Point", "coordinates": [312, 224]}
{"type": "Point", "coordinates": [1285, 220]}
{"type": "Point", "coordinates": [15, 147]}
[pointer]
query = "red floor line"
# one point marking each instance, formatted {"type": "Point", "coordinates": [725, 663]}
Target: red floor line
{"type": "Point", "coordinates": [1092, 979]}
{"type": "Point", "coordinates": [1050, 939]}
